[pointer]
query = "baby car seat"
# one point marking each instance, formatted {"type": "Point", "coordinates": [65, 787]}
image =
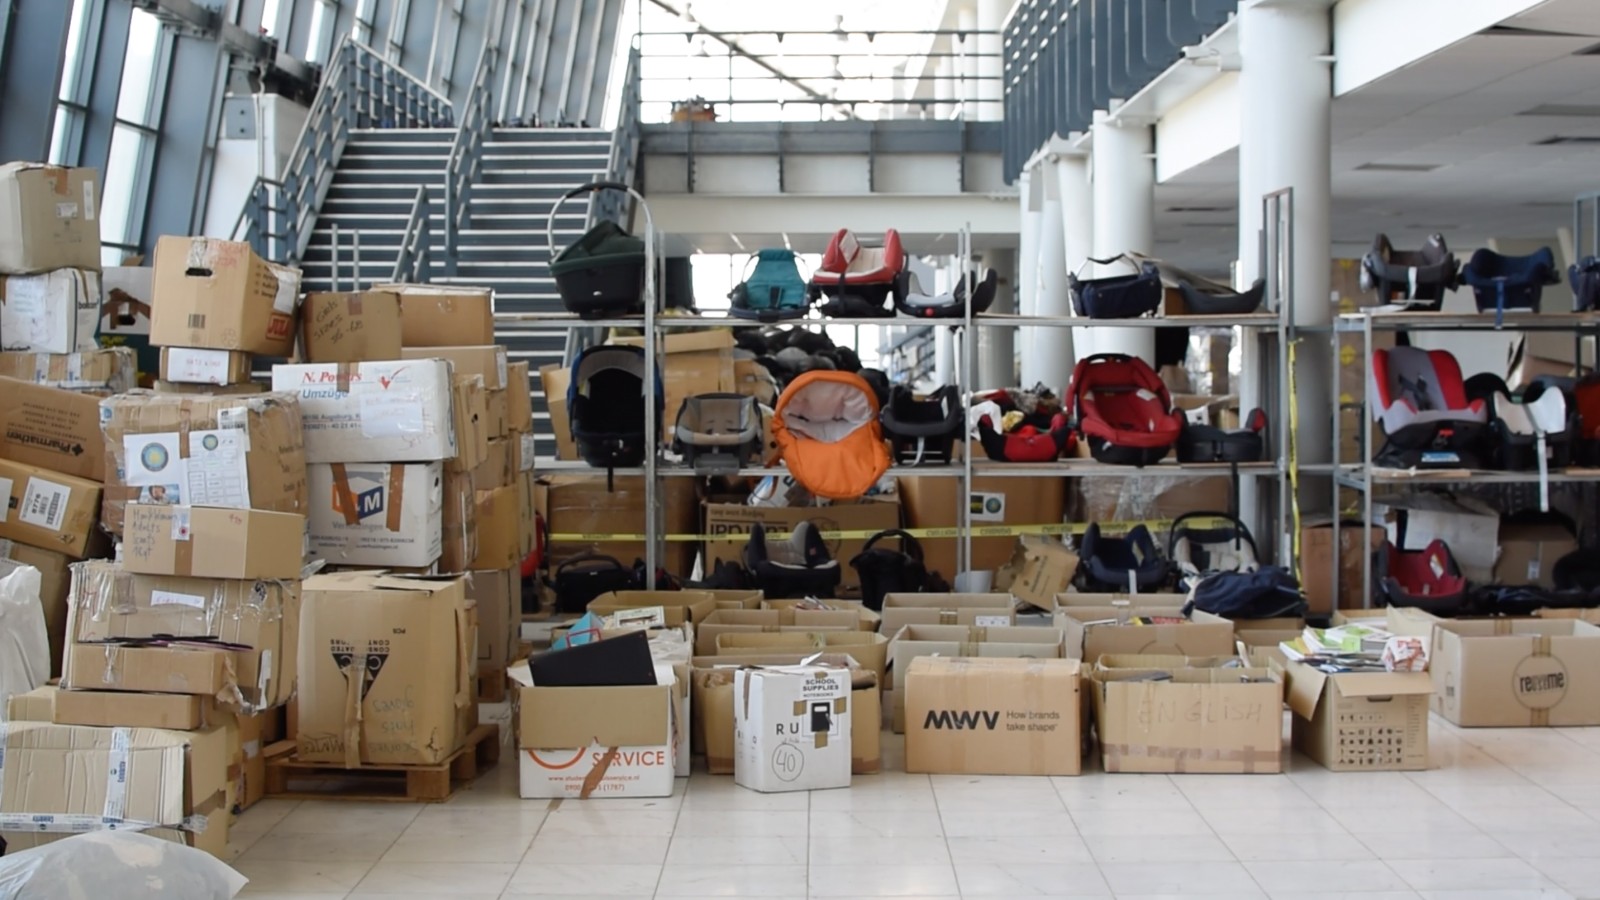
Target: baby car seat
{"type": "Point", "coordinates": [1577, 571]}
{"type": "Point", "coordinates": [923, 432]}
{"type": "Point", "coordinates": [1514, 283]}
{"type": "Point", "coordinates": [1128, 563]}
{"type": "Point", "coordinates": [1208, 298]}
{"type": "Point", "coordinates": [885, 570]}
{"type": "Point", "coordinates": [602, 273]}
{"type": "Point", "coordinates": [1123, 410]}
{"type": "Point", "coordinates": [718, 432]}
{"type": "Point", "coordinates": [1117, 296]}
{"type": "Point", "coordinates": [1426, 579]}
{"type": "Point", "coordinates": [773, 290]}
{"type": "Point", "coordinates": [797, 568]}
{"type": "Point", "coordinates": [1586, 407]}
{"type": "Point", "coordinates": [1197, 551]}
{"type": "Point", "coordinates": [827, 431]}
{"type": "Point", "coordinates": [1417, 279]}
{"type": "Point", "coordinates": [606, 406]}
{"type": "Point", "coordinates": [1532, 432]}
{"type": "Point", "coordinates": [1585, 278]}
{"type": "Point", "coordinates": [1010, 433]}
{"type": "Point", "coordinates": [1423, 405]}
{"type": "Point", "coordinates": [1265, 593]}
{"type": "Point", "coordinates": [857, 280]}
{"type": "Point", "coordinates": [1211, 443]}
{"type": "Point", "coordinates": [913, 301]}
{"type": "Point", "coordinates": [586, 576]}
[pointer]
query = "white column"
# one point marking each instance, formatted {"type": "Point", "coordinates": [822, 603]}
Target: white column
{"type": "Point", "coordinates": [944, 88]}
{"type": "Point", "coordinates": [1124, 179]}
{"type": "Point", "coordinates": [1286, 94]}
{"type": "Point", "coordinates": [1048, 360]}
{"type": "Point", "coordinates": [967, 22]}
{"type": "Point", "coordinates": [1077, 228]}
{"type": "Point", "coordinates": [1031, 213]}
{"type": "Point", "coordinates": [991, 17]}
{"type": "Point", "coordinates": [997, 353]}
{"type": "Point", "coordinates": [945, 365]}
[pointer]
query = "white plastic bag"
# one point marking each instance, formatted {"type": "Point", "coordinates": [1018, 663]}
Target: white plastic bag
{"type": "Point", "coordinates": [24, 644]}
{"type": "Point", "coordinates": [124, 865]}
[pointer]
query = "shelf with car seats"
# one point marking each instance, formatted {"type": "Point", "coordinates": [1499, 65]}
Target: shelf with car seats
{"type": "Point", "coordinates": [1349, 475]}
{"type": "Point", "coordinates": [1398, 318]}
{"type": "Point", "coordinates": [1244, 320]}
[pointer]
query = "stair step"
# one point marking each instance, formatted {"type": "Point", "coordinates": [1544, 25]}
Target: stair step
{"type": "Point", "coordinates": [403, 134]}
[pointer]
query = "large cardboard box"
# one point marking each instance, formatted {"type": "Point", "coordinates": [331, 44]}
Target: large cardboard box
{"type": "Point", "coordinates": [555, 381]}
{"type": "Point", "coordinates": [678, 607]}
{"type": "Point", "coordinates": [983, 610]}
{"type": "Point", "coordinates": [487, 361]}
{"type": "Point", "coordinates": [1092, 631]}
{"type": "Point", "coordinates": [350, 327]}
{"type": "Point", "coordinates": [498, 467]}
{"type": "Point", "coordinates": [499, 533]}
{"type": "Point", "coordinates": [373, 514]}
{"type": "Point", "coordinates": [180, 712]}
{"type": "Point", "coordinates": [210, 542]}
{"type": "Point", "coordinates": [48, 218]}
{"type": "Point", "coordinates": [791, 728]}
{"type": "Point", "coordinates": [751, 621]}
{"type": "Point", "coordinates": [1516, 673]}
{"type": "Point", "coordinates": [54, 587]}
{"type": "Point", "coordinates": [108, 371]}
{"type": "Point", "coordinates": [728, 527]}
{"type": "Point", "coordinates": [1040, 568]}
{"type": "Point", "coordinates": [693, 363]}
{"type": "Point", "coordinates": [1003, 641]}
{"type": "Point", "coordinates": [443, 315]}
{"type": "Point", "coordinates": [37, 705]}
{"type": "Point", "coordinates": [380, 411]}
{"type": "Point", "coordinates": [583, 742]}
{"type": "Point", "coordinates": [219, 294]}
{"type": "Point", "coordinates": [581, 513]}
{"type": "Point", "coordinates": [498, 597]}
{"type": "Point", "coordinates": [870, 651]}
{"type": "Point", "coordinates": [470, 411]}
{"type": "Point", "coordinates": [1528, 553]}
{"type": "Point", "coordinates": [51, 428]}
{"type": "Point", "coordinates": [1160, 714]}
{"type": "Point", "coordinates": [993, 716]}
{"type": "Point", "coordinates": [1360, 721]}
{"type": "Point", "coordinates": [935, 502]}
{"type": "Point", "coordinates": [1316, 565]}
{"type": "Point", "coordinates": [48, 509]}
{"type": "Point", "coordinates": [186, 669]}
{"type": "Point", "coordinates": [199, 366]}
{"type": "Point", "coordinates": [458, 524]}
{"type": "Point", "coordinates": [54, 312]}
{"type": "Point", "coordinates": [519, 384]}
{"type": "Point", "coordinates": [240, 452]}
{"type": "Point", "coordinates": [386, 669]}
{"type": "Point", "coordinates": [713, 704]}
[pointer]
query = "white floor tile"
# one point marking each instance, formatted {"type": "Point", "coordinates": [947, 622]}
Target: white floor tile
{"type": "Point", "coordinates": [876, 823]}
{"type": "Point", "coordinates": [593, 823]}
{"type": "Point", "coordinates": [281, 846]}
{"type": "Point", "coordinates": [1019, 849]}
{"type": "Point", "coordinates": [998, 823]}
{"type": "Point", "coordinates": [699, 850]}
{"type": "Point", "coordinates": [1245, 821]}
{"type": "Point", "coordinates": [1126, 848]}
{"type": "Point", "coordinates": [273, 876]}
{"type": "Point", "coordinates": [722, 793]}
{"type": "Point", "coordinates": [1332, 875]}
{"type": "Point", "coordinates": [1010, 880]}
{"type": "Point", "coordinates": [584, 879]}
{"type": "Point", "coordinates": [1536, 894]}
{"type": "Point", "coordinates": [882, 881]}
{"type": "Point", "coordinates": [339, 817]}
{"type": "Point", "coordinates": [732, 881]}
{"type": "Point", "coordinates": [1182, 878]}
{"type": "Point", "coordinates": [1580, 876]}
{"type": "Point", "coordinates": [1304, 848]}
{"type": "Point", "coordinates": [1425, 845]}
{"type": "Point", "coordinates": [436, 879]}
{"type": "Point", "coordinates": [1148, 823]}
{"type": "Point", "coordinates": [866, 851]}
{"type": "Point", "coordinates": [743, 823]}
{"type": "Point", "coordinates": [470, 846]}
{"type": "Point", "coordinates": [1565, 843]}
{"type": "Point", "coordinates": [1469, 874]}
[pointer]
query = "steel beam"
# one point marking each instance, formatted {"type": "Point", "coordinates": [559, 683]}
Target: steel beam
{"type": "Point", "coordinates": [30, 77]}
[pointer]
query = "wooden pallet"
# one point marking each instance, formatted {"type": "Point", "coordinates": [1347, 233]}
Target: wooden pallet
{"type": "Point", "coordinates": [288, 777]}
{"type": "Point", "coordinates": [492, 685]}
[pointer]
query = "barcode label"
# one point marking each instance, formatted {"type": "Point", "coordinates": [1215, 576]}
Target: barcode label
{"type": "Point", "coordinates": [197, 320]}
{"type": "Point", "coordinates": [44, 503]}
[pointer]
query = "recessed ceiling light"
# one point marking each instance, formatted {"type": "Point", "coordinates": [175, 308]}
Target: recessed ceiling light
{"type": "Point", "coordinates": [1397, 167]}
{"type": "Point", "coordinates": [1568, 110]}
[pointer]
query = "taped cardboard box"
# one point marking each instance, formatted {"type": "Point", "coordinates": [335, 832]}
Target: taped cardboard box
{"type": "Point", "coordinates": [678, 607]}
{"type": "Point", "coordinates": [1092, 632]}
{"type": "Point", "coordinates": [525, 450]}
{"type": "Point", "coordinates": [375, 514]}
{"type": "Point", "coordinates": [350, 327]}
{"type": "Point", "coordinates": [519, 398]}
{"type": "Point", "coordinates": [555, 381]}
{"type": "Point", "coordinates": [791, 728]}
{"type": "Point", "coordinates": [935, 502]}
{"type": "Point", "coordinates": [386, 669]}
{"type": "Point", "coordinates": [179, 712]}
{"type": "Point", "coordinates": [751, 621]}
{"type": "Point", "coordinates": [48, 218]}
{"type": "Point", "coordinates": [738, 598]}
{"type": "Point", "coordinates": [499, 406]}
{"type": "Point", "coordinates": [713, 699]}
{"type": "Point", "coordinates": [470, 408]}
{"type": "Point", "coordinates": [240, 452]}
{"type": "Point", "coordinates": [52, 428]}
{"type": "Point", "coordinates": [985, 610]}
{"type": "Point", "coordinates": [487, 361]}
{"type": "Point", "coordinates": [866, 619]}
{"type": "Point", "coordinates": [1001, 641]}
{"type": "Point", "coordinates": [174, 669]}
{"type": "Point", "coordinates": [381, 411]}
{"type": "Point", "coordinates": [1040, 568]}
{"type": "Point", "coordinates": [171, 781]}
{"type": "Point", "coordinates": [500, 514]}
{"type": "Point", "coordinates": [48, 509]}
{"type": "Point", "coordinates": [37, 705]}
{"type": "Point", "coordinates": [458, 524]}
{"type": "Point", "coordinates": [55, 586]}
{"type": "Point", "coordinates": [498, 596]}
{"type": "Point", "coordinates": [1162, 715]}
{"type": "Point", "coordinates": [107, 371]}
{"type": "Point", "coordinates": [582, 742]}
{"type": "Point", "coordinates": [1360, 721]}
{"type": "Point", "coordinates": [210, 390]}
{"type": "Point", "coordinates": [871, 651]}
{"type": "Point", "coordinates": [1068, 600]}
{"type": "Point", "coordinates": [1317, 560]}
{"type": "Point", "coordinates": [728, 525]}
{"type": "Point", "coordinates": [581, 514]}
{"type": "Point", "coordinates": [994, 716]}
{"type": "Point", "coordinates": [498, 468]}
{"type": "Point", "coordinates": [444, 316]}
{"type": "Point", "coordinates": [1516, 673]}
{"type": "Point", "coordinates": [219, 294]}
{"type": "Point", "coordinates": [198, 366]}
{"type": "Point", "coordinates": [1528, 553]}
{"type": "Point", "coordinates": [253, 734]}
{"type": "Point", "coordinates": [210, 542]}
{"type": "Point", "coordinates": [53, 312]}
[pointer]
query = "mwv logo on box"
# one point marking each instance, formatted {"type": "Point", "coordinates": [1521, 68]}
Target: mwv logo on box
{"type": "Point", "coordinates": [961, 719]}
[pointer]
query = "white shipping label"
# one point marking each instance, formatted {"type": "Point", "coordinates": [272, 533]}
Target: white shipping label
{"type": "Point", "coordinates": [26, 317]}
{"type": "Point", "coordinates": [391, 413]}
{"type": "Point", "coordinates": [237, 417]}
{"type": "Point", "coordinates": [5, 509]}
{"type": "Point", "coordinates": [193, 366]}
{"type": "Point", "coordinates": [44, 503]}
{"type": "Point", "coordinates": [152, 464]}
{"type": "Point", "coordinates": [173, 598]}
{"type": "Point", "coordinates": [288, 295]}
{"type": "Point", "coordinates": [988, 507]}
{"type": "Point", "coordinates": [1533, 571]}
{"type": "Point", "coordinates": [991, 621]}
{"type": "Point", "coordinates": [66, 210]}
{"type": "Point", "coordinates": [88, 200]}
{"type": "Point", "coordinates": [529, 450]}
{"type": "Point", "coordinates": [216, 468]}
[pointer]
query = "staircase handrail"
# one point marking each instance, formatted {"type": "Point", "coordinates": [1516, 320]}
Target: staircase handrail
{"type": "Point", "coordinates": [466, 154]}
{"type": "Point", "coordinates": [414, 264]}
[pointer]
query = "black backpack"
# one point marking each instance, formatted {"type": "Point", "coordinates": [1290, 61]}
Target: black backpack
{"type": "Point", "coordinates": [887, 570]}
{"type": "Point", "coordinates": [1266, 593]}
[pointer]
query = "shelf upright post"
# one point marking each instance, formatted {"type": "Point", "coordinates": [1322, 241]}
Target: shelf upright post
{"type": "Point", "coordinates": [1366, 464]}
{"type": "Point", "coordinates": [969, 347]}
{"type": "Point", "coordinates": [1277, 270]}
{"type": "Point", "coordinates": [652, 428]}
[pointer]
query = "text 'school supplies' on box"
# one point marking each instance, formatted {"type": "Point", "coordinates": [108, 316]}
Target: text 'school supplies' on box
{"type": "Point", "coordinates": [218, 294]}
{"type": "Point", "coordinates": [373, 411]}
{"type": "Point", "coordinates": [791, 728]}
{"type": "Point", "coordinates": [993, 716]}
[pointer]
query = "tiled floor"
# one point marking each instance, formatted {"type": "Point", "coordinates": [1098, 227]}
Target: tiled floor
{"type": "Point", "coordinates": [1504, 814]}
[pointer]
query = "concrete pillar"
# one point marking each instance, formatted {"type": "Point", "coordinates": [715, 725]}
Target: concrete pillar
{"type": "Point", "coordinates": [1046, 356]}
{"type": "Point", "coordinates": [997, 354]}
{"type": "Point", "coordinates": [946, 367]}
{"type": "Point", "coordinates": [1028, 265]}
{"type": "Point", "coordinates": [1124, 179]}
{"type": "Point", "coordinates": [1077, 229]}
{"type": "Point", "coordinates": [991, 17]}
{"type": "Point", "coordinates": [944, 89]}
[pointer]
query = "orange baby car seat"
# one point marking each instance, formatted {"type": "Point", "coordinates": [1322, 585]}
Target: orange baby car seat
{"type": "Point", "coordinates": [826, 427]}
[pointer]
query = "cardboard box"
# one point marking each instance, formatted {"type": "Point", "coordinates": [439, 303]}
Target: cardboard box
{"type": "Point", "coordinates": [729, 525]}
{"type": "Point", "coordinates": [1040, 568]}
{"type": "Point", "coordinates": [693, 363]}
{"type": "Point", "coordinates": [373, 411]}
{"type": "Point", "coordinates": [752, 621]}
{"type": "Point", "coordinates": [678, 607]}
{"type": "Point", "coordinates": [934, 502]}
{"type": "Point", "coordinates": [499, 532]}
{"type": "Point", "coordinates": [125, 317]}
{"type": "Point", "coordinates": [1212, 720]}
{"type": "Point", "coordinates": [993, 716]}
{"type": "Point", "coordinates": [1360, 721]}
{"type": "Point", "coordinates": [498, 596]}
{"type": "Point", "coordinates": [219, 294]}
{"type": "Point", "coordinates": [870, 651]}
{"type": "Point", "coordinates": [443, 315]}
{"type": "Point", "coordinates": [1316, 565]}
{"type": "Point", "coordinates": [48, 509]}
{"type": "Point", "coordinates": [470, 411]}
{"type": "Point", "coordinates": [53, 312]}
{"type": "Point", "coordinates": [498, 468]}
{"type": "Point", "coordinates": [410, 642]}
{"type": "Point", "coordinates": [555, 381]}
{"type": "Point", "coordinates": [370, 514]}
{"type": "Point", "coordinates": [791, 728]}
{"type": "Point", "coordinates": [51, 428]}
{"type": "Point", "coordinates": [108, 371]}
{"type": "Point", "coordinates": [1003, 641]}
{"type": "Point", "coordinates": [350, 327]}
{"type": "Point", "coordinates": [1072, 599]}
{"type": "Point", "coordinates": [210, 390]}
{"type": "Point", "coordinates": [1528, 553]}
{"type": "Point", "coordinates": [751, 379]}
{"type": "Point", "coordinates": [177, 669]}
{"type": "Point", "coordinates": [713, 703]}
{"type": "Point", "coordinates": [499, 419]}
{"type": "Point", "coordinates": [487, 361]}
{"type": "Point", "coordinates": [210, 542]}
{"type": "Point", "coordinates": [519, 398]}
{"type": "Point", "coordinates": [1260, 648]}
{"type": "Point", "coordinates": [1516, 673]}
{"type": "Point", "coordinates": [193, 365]}
{"type": "Point", "coordinates": [37, 705]}
{"type": "Point", "coordinates": [1092, 631]}
{"type": "Point", "coordinates": [48, 218]}
{"type": "Point", "coordinates": [54, 587]}
{"type": "Point", "coordinates": [181, 712]}
{"type": "Point", "coordinates": [583, 742]}
{"type": "Point", "coordinates": [241, 452]}
{"type": "Point", "coordinates": [253, 736]}
{"type": "Point", "coordinates": [578, 511]}
{"type": "Point", "coordinates": [983, 610]}
{"type": "Point", "coordinates": [458, 524]}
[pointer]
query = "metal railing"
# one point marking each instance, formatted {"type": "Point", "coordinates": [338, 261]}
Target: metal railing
{"type": "Point", "coordinates": [360, 89]}
{"type": "Point", "coordinates": [414, 263]}
{"type": "Point", "coordinates": [466, 154]}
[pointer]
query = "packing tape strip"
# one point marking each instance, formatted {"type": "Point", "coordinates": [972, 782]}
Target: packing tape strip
{"type": "Point", "coordinates": [1250, 759]}
{"type": "Point", "coordinates": [1067, 528]}
{"type": "Point", "coordinates": [82, 823]}
{"type": "Point", "coordinates": [116, 806]}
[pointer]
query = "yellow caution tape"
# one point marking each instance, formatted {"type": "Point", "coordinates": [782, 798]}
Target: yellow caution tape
{"type": "Point", "coordinates": [861, 534]}
{"type": "Point", "coordinates": [1293, 453]}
